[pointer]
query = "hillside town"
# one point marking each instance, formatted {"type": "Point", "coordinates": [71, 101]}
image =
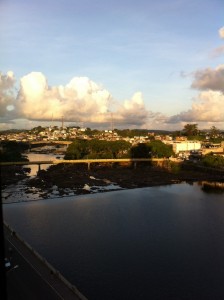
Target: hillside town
{"type": "Point", "coordinates": [203, 143]}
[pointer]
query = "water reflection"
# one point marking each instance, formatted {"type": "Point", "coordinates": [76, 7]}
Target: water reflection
{"type": "Point", "coordinates": [40, 157]}
{"type": "Point", "coordinates": [153, 243]}
{"type": "Point", "coordinates": [212, 187]}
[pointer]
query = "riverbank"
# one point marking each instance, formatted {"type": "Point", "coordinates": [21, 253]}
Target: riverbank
{"type": "Point", "coordinates": [100, 178]}
{"type": "Point", "coordinates": [69, 179]}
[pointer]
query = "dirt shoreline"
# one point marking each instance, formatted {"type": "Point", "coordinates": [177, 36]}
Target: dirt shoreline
{"type": "Point", "coordinates": [68, 177]}
{"type": "Point", "coordinates": [124, 176]}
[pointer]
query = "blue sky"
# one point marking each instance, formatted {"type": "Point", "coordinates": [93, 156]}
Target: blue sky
{"type": "Point", "coordinates": [149, 51]}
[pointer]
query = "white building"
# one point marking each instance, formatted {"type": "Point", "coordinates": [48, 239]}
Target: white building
{"type": "Point", "coordinates": [185, 146]}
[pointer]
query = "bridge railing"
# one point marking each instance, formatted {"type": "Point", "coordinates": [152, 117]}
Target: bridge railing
{"type": "Point", "coordinates": [81, 161]}
{"type": "Point", "coordinates": [23, 163]}
{"type": "Point", "coordinates": [78, 161]}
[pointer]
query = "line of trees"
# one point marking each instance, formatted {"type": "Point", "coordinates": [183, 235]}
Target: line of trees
{"type": "Point", "coordinates": [13, 151]}
{"type": "Point", "coordinates": [192, 132]}
{"type": "Point", "coordinates": [83, 149]}
{"type": "Point", "coordinates": [211, 160]}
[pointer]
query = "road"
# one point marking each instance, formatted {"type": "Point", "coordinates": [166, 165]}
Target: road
{"type": "Point", "coordinates": [32, 279]}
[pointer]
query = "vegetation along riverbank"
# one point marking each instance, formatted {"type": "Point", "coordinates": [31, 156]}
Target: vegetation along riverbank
{"type": "Point", "coordinates": [63, 179]}
{"type": "Point", "coordinates": [106, 177]}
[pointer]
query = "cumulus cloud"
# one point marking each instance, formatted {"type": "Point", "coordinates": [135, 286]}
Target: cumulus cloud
{"type": "Point", "coordinates": [208, 107]}
{"type": "Point", "coordinates": [81, 100]}
{"type": "Point", "coordinates": [221, 33]}
{"type": "Point", "coordinates": [209, 79]}
{"type": "Point", "coordinates": [6, 93]}
{"type": "Point", "coordinates": [133, 111]}
{"type": "Point", "coordinates": [218, 52]}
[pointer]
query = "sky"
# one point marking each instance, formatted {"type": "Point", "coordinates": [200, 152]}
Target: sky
{"type": "Point", "coordinates": [122, 63]}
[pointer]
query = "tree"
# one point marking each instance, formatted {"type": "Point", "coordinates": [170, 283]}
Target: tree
{"type": "Point", "coordinates": [77, 150]}
{"type": "Point", "coordinates": [99, 149]}
{"type": "Point", "coordinates": [88, 131]}
{"type": "Point", "coordinates": [38, 129]}
{"type": "Point", "coordinates": [142, 150]}
{"type": "Point", "coordinates": [13, 151]}
{"type": "Point", "coordinates": [213, 132]}
{"type": "Point", "coordinates": [159, 149]}
{"type": "Point", "coordinates": [190, 130]}
{"type": "Point", "coordinates": [120, 149]}
{"type": "Point", "coordinates": [215, 161]}
{"type": "Point", "coordinates": [81, 149]}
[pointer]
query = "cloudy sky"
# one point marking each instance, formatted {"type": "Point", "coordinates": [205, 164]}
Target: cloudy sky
{"type": "Point", "coordinates": [143, 64]}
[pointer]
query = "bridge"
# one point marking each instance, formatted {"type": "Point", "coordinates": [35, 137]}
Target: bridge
{"type": "Point", "coordinates": [51, 142]}
{"type": "Point", "coordinates": [85, 161]}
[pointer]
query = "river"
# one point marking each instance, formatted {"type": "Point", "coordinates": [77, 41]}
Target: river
{"type": "Point", "coordinates": [40, 157]}
{"type": "Point", "coordinates": [150, 243]}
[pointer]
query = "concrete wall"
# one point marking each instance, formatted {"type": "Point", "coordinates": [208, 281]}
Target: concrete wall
{"type": "Point", "coordinates": [214, 150]}
{"type": "Point", "coordinates": [186, 146]}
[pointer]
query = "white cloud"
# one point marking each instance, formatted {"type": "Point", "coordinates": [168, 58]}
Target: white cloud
{"type": "Point", "coordinates": [221, 33]}
{"type": "Point", "coordinates": [208, 107]}
{"type": "Point", "coordinates": [33, 85]}
{"type": "Point", "coordinates": [209, 79]}
{"type": "Point", "coordinates": [133, 111]}
{"type": "Point", "coordinates": [6, 93]}
{"type": "Point", "coordinates": [81, 100]}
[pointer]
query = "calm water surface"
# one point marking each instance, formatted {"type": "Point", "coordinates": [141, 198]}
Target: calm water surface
{"type": "Point", "coordinates": [40, 157]}
{"type": "Point", "coordinates": [151, 243]}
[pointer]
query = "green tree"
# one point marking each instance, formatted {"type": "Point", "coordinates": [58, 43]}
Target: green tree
{"type": "Point", "coordinates": [81, 149]}
{"type": "Point", "coordinates": [159, 149]}
{"type": "Point", "coordinates": [213, 132]}
{"type": "Point", "coordinates": [142, 150]}
{"type": "Point", "coordinates": [38, 129]}
{"type": "Point", "coordinates": [120, 149]}
{"type": "Point", "coordinates": [77, 150]}
{"type": "Point", "coordinates": [211, 160]}
{"type": "Point", "coordinates": [215, 136]}
{"type": "Point", "coordinates": [13, 151]}
{"type": "Point", "coordinates": [99, 149]}
{"type": "Point", "coordinates": [190, 130]}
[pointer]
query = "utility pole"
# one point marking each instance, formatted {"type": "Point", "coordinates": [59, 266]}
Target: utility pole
{"type": "Point", "coordinates": [112, 126]}
{"type": "Point", "coordinates": [112, 122]}
{"type": "Point", "coordinates": [62, 122]}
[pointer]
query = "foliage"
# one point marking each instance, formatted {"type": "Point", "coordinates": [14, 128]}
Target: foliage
{"type": "Point", "coordinates": [131, 132]}
{"type": "Point", "coordinates": [159, 149]}
{"type": "Point", "coordinates": [211, 160]}
{"type": "Point", "coordinates": [81, 149]}
{"type": "Point", "coordinates": [153, 149]}
{"type": "Point", "coordinates": [38, 129]}
{"type": "Point", "coordinates": [142, 150]}
{"type": "Point", "coordinates": [214, 132]}
{"type": "Point", "coordinates": [216, 140]}
{"type": "Point", "coordinates": [77, 150]}
{"type": "Point", "coordinates": [176, 134]}
{"type": "Point", "coordinates": [12, 151]}
{"type": "Point", "coordinates": [120, 149]}
{"type": "Point", "coordinates": [190, 130]}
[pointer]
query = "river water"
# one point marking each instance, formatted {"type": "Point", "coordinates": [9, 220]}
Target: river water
{"type": "Point", "coordinates": [40, 157]}
{"type": "Point", "coordinates": [151, 243]}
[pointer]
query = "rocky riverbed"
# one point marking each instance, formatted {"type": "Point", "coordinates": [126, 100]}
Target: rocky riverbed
{"type": "Point", "coordinates": [75, 179]}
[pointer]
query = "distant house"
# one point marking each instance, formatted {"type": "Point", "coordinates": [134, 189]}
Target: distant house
{"type": "Point", "coordinates": [185, 146]}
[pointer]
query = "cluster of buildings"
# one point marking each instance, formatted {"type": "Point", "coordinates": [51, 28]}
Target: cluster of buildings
{"type": "Point", "coordinates": [181, 146]}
